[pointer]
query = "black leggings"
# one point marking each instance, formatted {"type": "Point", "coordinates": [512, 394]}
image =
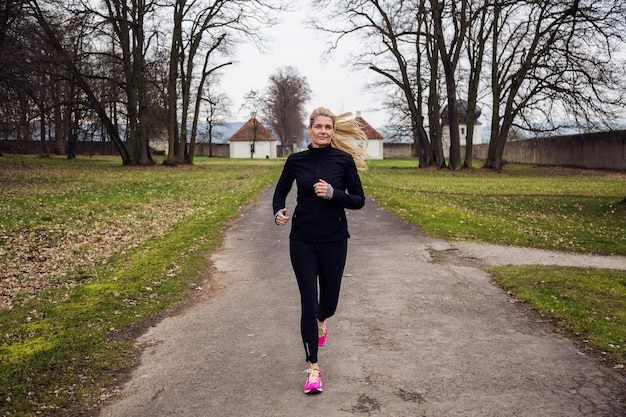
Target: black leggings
{"type": "Point", "coordinates": [310, 261]}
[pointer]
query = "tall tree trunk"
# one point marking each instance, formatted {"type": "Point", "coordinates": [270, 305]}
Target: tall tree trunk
{"type": "Point", "coordinates": [495, 92]}
{"type": "Point", "coordinates": [143, 141]}
{"type": "Point", "coordinates": [173, 139]}
{"type": "Point", "coordinates": [434, 109]}
{"type": "Point", "coordinates": [476, 53]}
{"type": "Point", "coordinates": [454, 162]}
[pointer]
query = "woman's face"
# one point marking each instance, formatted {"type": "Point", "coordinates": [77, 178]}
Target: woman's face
{"type": "Point", "coordinates": [321, 131]}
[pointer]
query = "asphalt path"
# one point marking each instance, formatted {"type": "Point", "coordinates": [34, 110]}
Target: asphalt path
{"type": "Point", "coordinates": [415, 334]}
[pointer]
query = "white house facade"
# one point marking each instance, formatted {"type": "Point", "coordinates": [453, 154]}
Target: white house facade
{"type": "Point", "coordinates": [252, 140]}
{"type": "Point", "coordinates": [374, 139]}
{"type": "Point", "coordinates": [461, 112]}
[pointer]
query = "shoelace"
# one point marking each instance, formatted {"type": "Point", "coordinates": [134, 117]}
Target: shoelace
{"type": "Point", "coordinates": [314, 374]}
{"type": "Point", "coordinates": [321, 328]}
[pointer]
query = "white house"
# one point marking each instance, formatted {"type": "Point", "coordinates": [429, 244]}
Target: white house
{"type": "Point", "coordinates": [252, 140]}
{"type": "Point", "coordinates": [461, 109]}
{"type": "Point", "coordinates": [375, 139]}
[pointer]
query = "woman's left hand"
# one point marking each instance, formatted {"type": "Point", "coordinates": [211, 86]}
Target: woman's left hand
{"type": "Point", "coordinates": [321, 188]}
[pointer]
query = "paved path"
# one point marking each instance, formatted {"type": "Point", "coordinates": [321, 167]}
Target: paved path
{"type": "Point", "coordinates": [507, 255]}
{"type": "Point", "coordinates": [413, 336]}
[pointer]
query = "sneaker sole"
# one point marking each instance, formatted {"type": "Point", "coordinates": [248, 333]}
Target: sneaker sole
{"type": "Point", "coordinates": [313, 391]}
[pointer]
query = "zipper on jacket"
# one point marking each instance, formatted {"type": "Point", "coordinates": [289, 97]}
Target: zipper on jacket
{"type": "Point", "coordinates": [317, 200]}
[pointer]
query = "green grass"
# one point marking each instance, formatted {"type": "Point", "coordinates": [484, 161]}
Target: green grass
{"type": "Point", "coordinates": [549, 208]}
{"type": "Point", "coordinates": [148, 232]}
{"type": "Point", "coordinates": [521, 205]}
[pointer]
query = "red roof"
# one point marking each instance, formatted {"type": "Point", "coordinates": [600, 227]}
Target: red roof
{"type": "Point", "coordinates": [369, 131]}
{"type": "Point", "coordinates": [252, 130]}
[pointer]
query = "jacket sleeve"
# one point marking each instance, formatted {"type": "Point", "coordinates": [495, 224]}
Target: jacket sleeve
{"type": "Point", "coordinates": [283, 186]}
{"type": "Point", "coordinates": [353, 196]}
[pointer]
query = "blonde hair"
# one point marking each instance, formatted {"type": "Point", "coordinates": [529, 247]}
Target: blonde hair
{"type": "Point", "coordinates": [348, 136]}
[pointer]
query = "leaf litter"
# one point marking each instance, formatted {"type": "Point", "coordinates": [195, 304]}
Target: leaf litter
{"type": "Point", "coordinates": [49, 256]}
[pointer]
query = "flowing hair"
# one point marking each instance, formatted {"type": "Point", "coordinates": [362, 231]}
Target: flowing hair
{"type": "Point", "coordinates": [348, 136]}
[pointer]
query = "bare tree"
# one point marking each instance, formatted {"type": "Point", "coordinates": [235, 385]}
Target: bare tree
{"type": "Point", "coordinates": [253, 102]}
{"type": "Point", "coordinates": [554, 60]}
{"type": "Point", "coordinates": [549, 60]}
{"type": "Point", "coordinates": [478, 32]}
{"type": "Point", "coordinates": [29, 75]}
{"type": "Point", "coordinates": [206, 72]}
{"type": "Point", "coordinates": [392, 39]}
{"type": "Point", "coordinates": [449, 60]}
{"type": "Point", "coordinates": [469, 25]}
{"type": "Point", "coordinates": [127, 22]}
{"type": "Point", "coordinates": [287, 94]}
{"type": "Point", "coordinates": [217, 111]}
{"type": "Point", "coordinates": [69, 65]}
{"type": "Point", "coordinates": [209, 29]}
{"type": "Point", "coordinates": [433, 101]}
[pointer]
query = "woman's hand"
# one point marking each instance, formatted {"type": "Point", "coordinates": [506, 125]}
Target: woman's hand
{"type": "Point", "coordinates": [282, 218]}
{"type": "Point", "coordinates": [321, 188]}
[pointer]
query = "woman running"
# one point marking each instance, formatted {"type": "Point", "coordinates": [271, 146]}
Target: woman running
{"type": "Point", "coordinates": [327, 182]}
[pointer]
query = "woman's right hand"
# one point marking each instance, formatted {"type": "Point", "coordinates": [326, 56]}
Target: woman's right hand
{"type": "Point", "coordinates": [282, 218]}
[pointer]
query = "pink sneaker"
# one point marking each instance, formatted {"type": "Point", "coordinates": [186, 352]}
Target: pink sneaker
{"type": "Point", "coordinates": [313, 384]}
{"type": "Point", "coordinates": [322, 333]}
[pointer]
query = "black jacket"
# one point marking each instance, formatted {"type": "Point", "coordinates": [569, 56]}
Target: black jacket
{"type": "Point", "coordinates": [316, 219]}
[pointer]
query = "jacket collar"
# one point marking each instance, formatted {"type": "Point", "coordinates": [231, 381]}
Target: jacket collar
{"type": "Point", "coordinates": [325, 149]}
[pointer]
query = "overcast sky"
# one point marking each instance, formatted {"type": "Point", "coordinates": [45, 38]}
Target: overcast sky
{"type": "Point", "coordinates": [333, 83]}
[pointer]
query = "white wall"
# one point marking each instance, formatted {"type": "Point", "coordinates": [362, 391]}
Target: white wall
{"type": "Point", "coordinates": [445, 136]}
{"type": "Point", "coordinates": [262, 149]}
{"type": "Point", "coordinates": [375, 148]}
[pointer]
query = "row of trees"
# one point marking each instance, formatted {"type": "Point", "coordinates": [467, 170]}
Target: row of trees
{"type": "Point", "coordinates": [530, 61]}
{"type": "Point", "coordinates": [134, 68]}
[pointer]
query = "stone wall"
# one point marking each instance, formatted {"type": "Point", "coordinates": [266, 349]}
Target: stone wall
{"type": "Point", "coordinates": [398, 150]}
{"type": "Point", "coordinates": [220, 150]}
{"type": "Point", "coordinates": [600, 150]}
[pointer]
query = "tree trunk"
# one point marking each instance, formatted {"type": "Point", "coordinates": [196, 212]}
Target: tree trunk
{"type": "Point", "coordinates": [476, 53]}
{"type": "Point", "coordinates": [434, 109]}
{"type": "Point", "coordinates": [143, 141]}
{"type": "Point", "coordinates": [454, 162]}
{"type": "Point", "coordinates": [491, 162]}
{"type": "Point", "coordinates": [173, 139]}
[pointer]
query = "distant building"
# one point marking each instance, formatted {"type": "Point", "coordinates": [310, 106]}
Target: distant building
{"type": "Point", "coordinates": [252, 140]}
{"type": "Point", "coordinates": [375, 139]}
{"type": "Point", "coordinates": [461, 111]}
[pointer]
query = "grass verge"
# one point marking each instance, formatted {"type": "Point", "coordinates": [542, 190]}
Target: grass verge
{"type": "Point", "coordinates": [547, 208]}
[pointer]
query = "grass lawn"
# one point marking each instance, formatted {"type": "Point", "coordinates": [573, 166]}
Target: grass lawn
{"type": "Point", "coordinates": [90, 249]}
{"type": "Point", "coordinates": [549, 208]}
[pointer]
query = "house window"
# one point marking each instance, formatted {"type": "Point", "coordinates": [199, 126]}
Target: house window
{"type": "Point", "coordinates": [462, 130]}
